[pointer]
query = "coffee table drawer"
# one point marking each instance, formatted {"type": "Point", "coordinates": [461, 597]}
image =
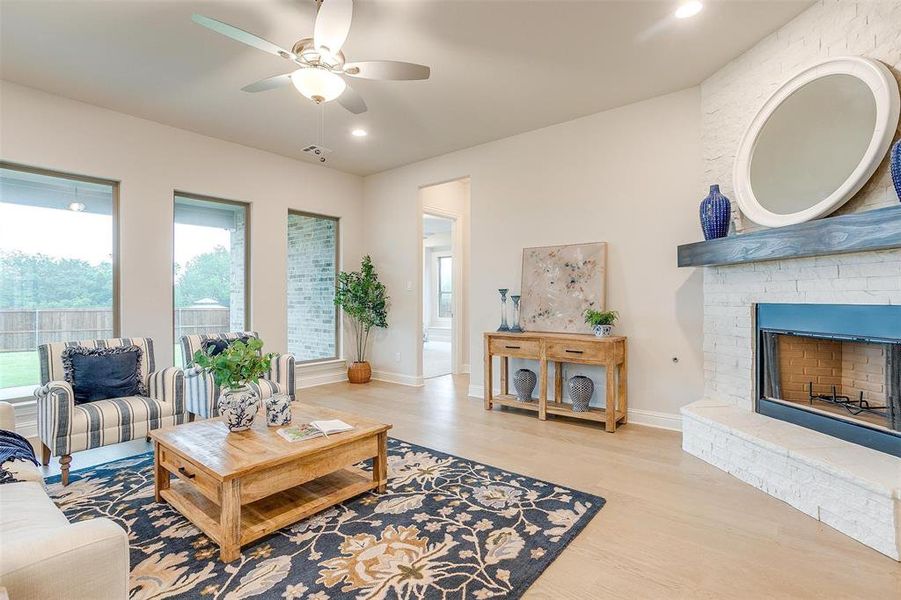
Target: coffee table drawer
{"type": "Point", "coordinates": [190, 473]}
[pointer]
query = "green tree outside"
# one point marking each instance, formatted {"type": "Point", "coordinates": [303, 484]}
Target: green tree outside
{"type": "Point", "coordinates": [37, 281]}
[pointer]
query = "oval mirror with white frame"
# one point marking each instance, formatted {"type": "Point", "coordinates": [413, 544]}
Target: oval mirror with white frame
{"type": "Point", "coordinates": [816, 141]}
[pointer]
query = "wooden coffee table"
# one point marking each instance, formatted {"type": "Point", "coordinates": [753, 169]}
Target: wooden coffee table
{"type": "Point", "coordinates": [237, 487]}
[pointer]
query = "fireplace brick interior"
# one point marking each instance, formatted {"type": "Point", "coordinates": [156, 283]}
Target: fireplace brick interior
{"type": "Point", "coordinates": [850, 366]}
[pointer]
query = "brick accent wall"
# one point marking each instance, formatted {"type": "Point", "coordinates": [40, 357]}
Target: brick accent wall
{"type": "Point", "coordinates": [729, 100]}
{"type": "Point", "coordinates": [731, 291]}
{"type": "Point", "coordinates": [848, 487]}
{"type": "Point", "coordinates": [311, 287]}
{"type": "Point", "coordinates": [733, 95]}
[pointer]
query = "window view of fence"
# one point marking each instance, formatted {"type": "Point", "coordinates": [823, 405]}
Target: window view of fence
{"type": "Point", "coordinates": [56, 266]}
{"type": "Point", "coordinates": [209, 274]}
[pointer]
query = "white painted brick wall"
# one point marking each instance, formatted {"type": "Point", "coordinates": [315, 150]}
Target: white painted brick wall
{"type": "Point", "coordinates": [733, 95]}
{"type": "Point", "coordinates": [729, 100]}
{"type": "Point", "coordinates": [730, 292]}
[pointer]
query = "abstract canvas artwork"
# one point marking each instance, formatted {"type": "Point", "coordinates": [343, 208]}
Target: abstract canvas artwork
{"type": "Point", "coordinates": [559, 283]}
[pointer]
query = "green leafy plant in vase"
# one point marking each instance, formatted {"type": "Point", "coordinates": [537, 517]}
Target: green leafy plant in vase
{"type": "Point", "coordinates": [364, 300]}
{"type": "Point", "coordinates": [233, 370]}
{"type": "Point", "coordinates": [601, 321]}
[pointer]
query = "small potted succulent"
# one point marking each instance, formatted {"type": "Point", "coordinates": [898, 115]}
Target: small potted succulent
{"type": "Point", "coordinates": [601, 321]}
{"type": "Point", "coordinates": [233, 369]}
{"type": "Point", "coordinates": [364, 300]}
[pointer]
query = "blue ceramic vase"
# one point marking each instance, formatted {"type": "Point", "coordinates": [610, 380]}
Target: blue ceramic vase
{"type": "Point", "coordinates": [896, 167]}
{"type": "Point", "coordinates": [716, 211]}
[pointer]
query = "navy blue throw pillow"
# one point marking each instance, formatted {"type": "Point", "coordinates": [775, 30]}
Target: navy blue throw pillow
{"type": "Point", "coordinates": [103, 373]}
{"type": "Point", "coordinates": [214, 347]}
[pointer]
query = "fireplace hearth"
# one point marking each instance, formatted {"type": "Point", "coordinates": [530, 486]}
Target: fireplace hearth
{"type": "Point", "coordinates": [833, 368]}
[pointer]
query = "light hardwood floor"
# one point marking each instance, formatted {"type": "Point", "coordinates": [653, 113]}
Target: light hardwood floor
{"type": "Point", "coordinates": [673, 526]}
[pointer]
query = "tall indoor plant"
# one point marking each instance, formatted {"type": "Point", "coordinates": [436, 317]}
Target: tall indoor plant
{"type": "Point", "coordinates": [364, 300]}
{"type": "Point", "coordinates": [233, 369]}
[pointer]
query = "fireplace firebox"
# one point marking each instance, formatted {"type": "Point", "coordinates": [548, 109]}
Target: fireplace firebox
{"type": "Point", "coordinates": [834, 368]}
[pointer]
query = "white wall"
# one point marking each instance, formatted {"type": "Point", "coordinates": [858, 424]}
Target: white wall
{"type": "Point", "coordinates": [629, 176]}
{"type": "Point", "coordinates": [151, 160]}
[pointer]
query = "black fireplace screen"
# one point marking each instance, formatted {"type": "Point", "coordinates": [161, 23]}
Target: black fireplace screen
{"type": "Point", "coordinates": [833, 368]}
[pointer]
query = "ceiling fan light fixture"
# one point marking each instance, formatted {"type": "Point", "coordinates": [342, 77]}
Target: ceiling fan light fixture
{"type": "Point", "coordinates": [317, 84]}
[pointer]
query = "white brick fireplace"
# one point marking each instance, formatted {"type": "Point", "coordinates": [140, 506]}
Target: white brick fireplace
{"type": "Point", "coordinates": [849, 487]}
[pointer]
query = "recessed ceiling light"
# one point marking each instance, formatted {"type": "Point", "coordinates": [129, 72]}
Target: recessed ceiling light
{"type": "Point", "coordinates": [689, 9]}
{"type": "Point", "coordinates": [76, 206]}
{"type": "Point", "coordinates": [359, 133]}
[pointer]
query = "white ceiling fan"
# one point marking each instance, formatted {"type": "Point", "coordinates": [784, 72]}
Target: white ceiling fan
{"type": "Point", "coordinates": [322, 64]}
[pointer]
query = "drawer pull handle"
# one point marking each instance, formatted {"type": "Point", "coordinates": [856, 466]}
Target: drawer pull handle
{"type": "Point", "coordinates": [512, 347]}
{"type": "Point", "coordinates": [574, 351]}
{"type": "Point", "coordinates": [184, 472]}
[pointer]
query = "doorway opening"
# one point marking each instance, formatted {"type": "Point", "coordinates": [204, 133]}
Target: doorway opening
{"type": "Point", "coordinates": [437, 296]}
{"type": "Point", "coordinates": [445, 210]}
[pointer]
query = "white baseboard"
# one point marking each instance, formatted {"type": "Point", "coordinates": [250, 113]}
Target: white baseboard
{"type": "Point", "coordinates": [398, 378]}
{"type": "Point", "coordinates": [311, 375]}
{"type": "Point", "coordinates": [308, 381]}
{"type": "Point", "coordinates": [638, 416]}
{"type": "Point", "coordinates": [655, 418]}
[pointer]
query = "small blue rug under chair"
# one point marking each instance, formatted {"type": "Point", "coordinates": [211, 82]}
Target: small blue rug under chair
{"type": "Point", "coordinates": [447, 528]}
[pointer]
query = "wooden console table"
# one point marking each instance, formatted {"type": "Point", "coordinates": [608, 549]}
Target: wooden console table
{"type": "Point", "coordinates": [559, 348]}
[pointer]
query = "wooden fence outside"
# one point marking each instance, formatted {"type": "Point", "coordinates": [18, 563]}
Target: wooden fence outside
{"type": "Point", "coordinates": [25, 329]}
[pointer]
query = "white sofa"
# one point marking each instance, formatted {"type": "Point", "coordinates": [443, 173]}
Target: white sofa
{"type": "Point", "coordinates": [42, 555]}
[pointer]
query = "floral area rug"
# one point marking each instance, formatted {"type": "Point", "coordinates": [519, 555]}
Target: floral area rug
{"type": "Point", "coordinates": [447, 528]}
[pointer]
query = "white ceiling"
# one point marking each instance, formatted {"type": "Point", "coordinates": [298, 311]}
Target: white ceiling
{"type": "Point", "coordinates": [498, 68]}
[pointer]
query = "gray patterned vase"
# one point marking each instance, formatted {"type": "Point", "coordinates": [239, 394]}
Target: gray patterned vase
{"type": "Point", "coordinates": [524, 381]}
{"type": "Point", "coordinates": [278, 410]}
{"type": "Point", "coordinates": [239, 407]}
{"type": "Point", "coordinates": [580, 390]}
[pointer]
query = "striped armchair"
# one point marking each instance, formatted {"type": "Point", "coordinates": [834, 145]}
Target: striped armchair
{"type": "Point", "coordinates": [201, 392]}
{"type": "Point", "coordinates": [65, 428]}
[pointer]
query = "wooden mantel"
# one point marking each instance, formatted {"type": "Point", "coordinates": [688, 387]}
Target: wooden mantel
{"type": "Point", "coordinates": [878, 229]}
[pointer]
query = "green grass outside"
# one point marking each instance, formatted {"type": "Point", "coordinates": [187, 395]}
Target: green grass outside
{"type": "Point", "coordinates": [19, 368]}
{"type": "Point", "coordinates": [24, 368]}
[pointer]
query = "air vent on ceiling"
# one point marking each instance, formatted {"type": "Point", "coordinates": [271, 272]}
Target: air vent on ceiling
{"type": "Point", "coordinates": [316, 151]}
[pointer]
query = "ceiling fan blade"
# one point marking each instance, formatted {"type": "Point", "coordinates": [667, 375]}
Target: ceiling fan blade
{"type": "Point", "coordinates": [386, 69]}
{"type": "Point", "coordinates": [332, 24]}
{"type": "Point", "coordinates": [242, 36]}
{"type": "Point", "coordinates": [270, 83]}
{"type": "Point", "coordinates": [352, 101]}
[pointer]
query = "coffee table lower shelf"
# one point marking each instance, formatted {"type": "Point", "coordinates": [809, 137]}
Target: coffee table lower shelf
{"type": "Point", "coordinates": [267, 515]}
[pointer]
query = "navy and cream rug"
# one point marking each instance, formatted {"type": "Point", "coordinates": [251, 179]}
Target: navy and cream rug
{"type": "Point", "coordinates": [447, 528]}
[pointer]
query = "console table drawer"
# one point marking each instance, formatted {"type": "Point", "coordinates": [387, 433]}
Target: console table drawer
{"type": "Point", "coordinates": [577, 351]}
{"type": "Point", "coordinates": [515, 348]}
